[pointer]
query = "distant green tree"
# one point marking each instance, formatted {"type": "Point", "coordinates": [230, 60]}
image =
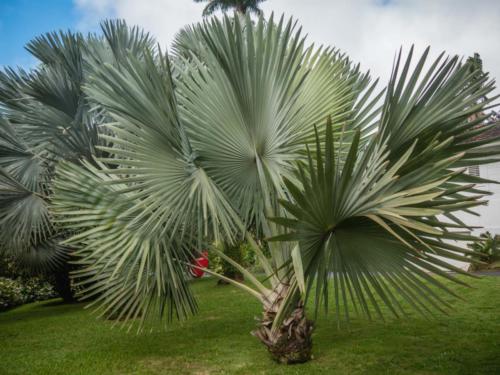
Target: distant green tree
{"type": "Point", "coordinates": [475, 64]}
{"type": "Point", "coordinates": [240, 6]}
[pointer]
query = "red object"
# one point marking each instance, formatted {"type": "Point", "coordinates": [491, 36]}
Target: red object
{"type": "Point", "coordinates": [200, 262]}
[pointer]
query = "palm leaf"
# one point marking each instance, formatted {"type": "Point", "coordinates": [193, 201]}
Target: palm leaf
{"type": "Point", "coordinates": [130, 275]}
{"type": "Point", "coordinates": [50, 119]}
{"type": "Point", "coordinates": [373, 225]}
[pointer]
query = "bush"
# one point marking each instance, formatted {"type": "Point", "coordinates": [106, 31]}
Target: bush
{"type": "Point", "coordinates": [35, 289]}
{"type": "Point", "coordinates": [248, 254]}
{"type": "Point", "coordinates": [10, 293]}
{"type": "Point", "coordinates": [488, 250]}
{"type": "Point", "coordinates": [9, 268]}
{"type": "Point", "coordinates": [243, 253]}
{"type": "Point", "coordinates": [15, 292]}
{"type": "Point", "coordinates": [222, 267]}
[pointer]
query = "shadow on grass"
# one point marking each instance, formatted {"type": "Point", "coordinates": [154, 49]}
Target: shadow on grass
{"type": "Point", "coordinates": [58, 302]}
{"type": "Point", "coordinates": [40, 310]}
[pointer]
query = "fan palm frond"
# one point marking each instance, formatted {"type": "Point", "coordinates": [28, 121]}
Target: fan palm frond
{"type": "Point", "coordinates": [249, 103]}
{"type": "Point", "coordinates": [50, 119]}
{"type": "Point", "coordinates": [131, 266]}
{"type": "Point", "coordinates": [374, 224]}
{"type": "Point", "coordinates": [25, 220]}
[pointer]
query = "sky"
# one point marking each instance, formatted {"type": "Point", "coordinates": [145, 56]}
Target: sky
{"type": "Point", "coordinates": [21, 20]}
{"type": "Point", "coordinates": [369, 31]}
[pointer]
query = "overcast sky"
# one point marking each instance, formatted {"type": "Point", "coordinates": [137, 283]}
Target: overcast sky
{"type": "Point", "coordinates": [370, 31]}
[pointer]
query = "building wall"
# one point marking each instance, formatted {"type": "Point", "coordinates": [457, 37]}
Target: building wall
{"type": "Point", "coordinates": [490, 214]}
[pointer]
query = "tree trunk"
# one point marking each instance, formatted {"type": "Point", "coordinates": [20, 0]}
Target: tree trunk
{"type": "Point", "coordinates": [292, 341]}
{"type": "Point", "coordinates": [62, 284]}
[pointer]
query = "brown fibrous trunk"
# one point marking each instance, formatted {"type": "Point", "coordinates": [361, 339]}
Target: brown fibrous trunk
{"type": "Point", "coordinates": [290, 343]}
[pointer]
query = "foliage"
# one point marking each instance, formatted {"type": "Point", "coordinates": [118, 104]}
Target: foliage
{"type": "Point", "coordinates": [248, 254]}
{"type": "Point", "coordinates": [241, 6]}
{"type": "Point", "coordinates": [240, 253]}
{"type": "Point", "coordinates": [14, 292]}
{"type": "Point", "coordinates": [46, 118]}
{"type": "Point", "coordinates": [248, 259]}
{"type": "Point", "coordinates": [10, 293]}
{"type": "Point", "coordinates": [487, 251]}
{"type": "Point", "coordinates": [9, 268]}
{"type": "Point", "coordinates": [19, 286]}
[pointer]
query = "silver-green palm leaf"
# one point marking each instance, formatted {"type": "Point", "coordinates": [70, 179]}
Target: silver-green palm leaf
{"type": "Point", "coordinates": [380, 220]}
{"type": "Point", "coordinates": [250, 101]}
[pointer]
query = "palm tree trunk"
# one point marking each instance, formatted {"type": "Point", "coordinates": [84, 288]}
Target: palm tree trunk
{"type": "Point", "coordinates": [292, 341]}
{"type": "Point", "coordinates": [62, 284]}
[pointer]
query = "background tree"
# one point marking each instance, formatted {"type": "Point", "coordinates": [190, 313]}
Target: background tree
{"type": "Point", "coordinates": [240, 6]}
{"type": "Point", "coordinates": [208, 144]}
{"type": "Point", "coordinates": [48, 118]}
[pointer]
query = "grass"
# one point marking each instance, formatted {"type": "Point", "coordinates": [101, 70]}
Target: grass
{"type": "Point", "coordinates": [51, 338]}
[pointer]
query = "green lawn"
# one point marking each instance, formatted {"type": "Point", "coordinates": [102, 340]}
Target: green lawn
{"type": "Point", "coordinates": [48, 338]}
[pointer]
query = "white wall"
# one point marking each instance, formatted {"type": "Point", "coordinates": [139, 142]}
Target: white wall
{"type": "Point", "coordinates": [490, 214]}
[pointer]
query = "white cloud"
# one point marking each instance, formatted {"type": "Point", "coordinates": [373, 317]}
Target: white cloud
{"type": "Point", "coordinates": [163, 18]}
{"type": "Point", "coordinates": [370, 31]}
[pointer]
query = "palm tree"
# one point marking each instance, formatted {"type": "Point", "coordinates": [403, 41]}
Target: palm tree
{"type": "Point", "coordinates": [241, 6]}
{"type": "Point", "coordinates": [356, 190]}
{"type": "Point", "coordinates": [47, 118]}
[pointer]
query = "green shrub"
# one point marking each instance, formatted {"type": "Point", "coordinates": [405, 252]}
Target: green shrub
{"type": "Point", "coordinates": [248, 254]}
{"type": "Point", "coordinates": [223, 267]}
{"type": "Point", "coordinates": [243, 253]}
{"type": "Point", "coordinates": [9, 268]}
{"type": "Point", "coordinates": [10, 293]}
{"type": "Point", "coordinates": [35, 289]}
{"type": "Point", "coordinates": [234, 252]}
{"type": "Point", "coordinates": [15, 292]}
{"type": "Point", "coordinates": [489, 250]}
